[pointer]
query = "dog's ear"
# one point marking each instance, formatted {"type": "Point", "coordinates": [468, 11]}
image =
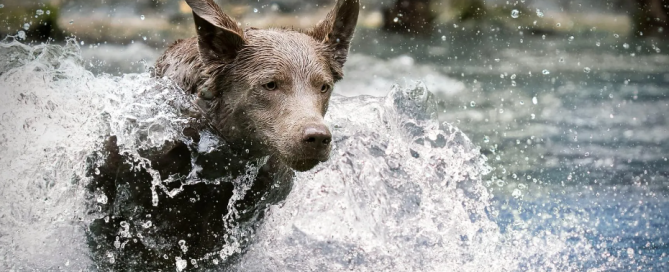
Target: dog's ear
{"type": "Point", "coordinates": [336, 30]}
{"type": "Point", "coordinates": [219, 36]}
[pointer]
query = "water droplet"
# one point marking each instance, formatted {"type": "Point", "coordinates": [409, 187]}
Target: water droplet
{"type": "Point", "coordinates": [522, 103]}
{"type": "Point", "coordinates": [486, 139]}
{"type": "Point", "coordinates": [26, 26]}
{"type": "Point", "coordinates": [39, 12]}
{"type": "Point", "coordinates": [626, 46]}
{"type": "Point", "coordinates": [616, 35]}
{"type": "Point", "coordinates": [181, 264]}
{"type": "Point", "coordinates": [610, 95]}
{"type": "Point", "coordinates": [2, 6]}
{"type": "Point", "coordinates": [561, 59]}
{"type": "Point", "coordinates": [540, 13]}
{"type": "Point", "coordinates": [571, 38]}
{"type": "Point", "coordinates": [587, 154]}
{"type": "Point", "coordinates": [630, 252]}
{"type": "Point", "coordinates": [513, 76]}
{"type": "Point", "coordinates": [496, 60]}
{"type": "Point", "coordinates": [82, 42]}
{"type": "Point", "coordinates": [535, 100]}
{"type": "Point", "coordinates": [517, 193]}
{"type": "Point", "coordinates": [22, 35]}
{"type": "Point", "coordinates": [182, 245]}
{"type": "Point", "coordinates": [543, 37]}
{"type": "Point", "coordinates": [48, 12]}
{"type": "Point", "coordinates": [586, 70]}
{"type": "Point", "coordinates": [142, 17]}
{"type": "Point", "coordinates": [102, 199]}
{"type": "Point", "coordinates": [532, 116]}
{"type": "Point", "coordinates": [147, 224]}
{"type": "Point", "coordinates": [144, 38]}
{"type": "Point", "coordinates": [396, 20]}
{"type": "Point", "coordinates": [515, 13]}
{"type": "Point", "coordinates": [255, 10]}
{"type": "Point", "coordinates": [443, 38]}
{"type": "Point", "coordinates": [472, 104]}
{"type": "Point", "coordinates": [545, 72]}
{"type": "Point", "coordinates": [558, 24]}
{"type": "Point", "coordinates": [71, 21]}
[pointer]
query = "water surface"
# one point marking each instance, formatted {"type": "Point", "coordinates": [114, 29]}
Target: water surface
{"type": "Point", "coordinates": [529, 153]}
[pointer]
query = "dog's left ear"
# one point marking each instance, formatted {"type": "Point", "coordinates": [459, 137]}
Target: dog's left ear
{"type": "Point", "coordinates": [336, 30]}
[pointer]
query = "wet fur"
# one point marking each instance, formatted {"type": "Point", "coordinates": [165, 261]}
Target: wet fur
{"type": "Point", "coordinates": [224, 68]}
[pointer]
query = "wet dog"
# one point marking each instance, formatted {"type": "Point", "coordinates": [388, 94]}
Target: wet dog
{"type": "Point", "coordinates": [263, 93]}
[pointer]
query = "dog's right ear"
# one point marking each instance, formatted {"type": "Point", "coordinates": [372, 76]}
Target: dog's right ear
{"type": "Point", "coordinates": [219, 36]}
{"type": "Point", "coordinates": [336, 31]}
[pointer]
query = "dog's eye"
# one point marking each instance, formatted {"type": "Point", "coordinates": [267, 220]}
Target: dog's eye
{"type": "Point", "coordinates": [270, 86]}
{"type": "Point", "coordinates": [325, 88]}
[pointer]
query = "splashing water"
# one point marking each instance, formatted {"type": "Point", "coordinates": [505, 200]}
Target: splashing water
{"type": "Point", "coordinates": [401, 191]}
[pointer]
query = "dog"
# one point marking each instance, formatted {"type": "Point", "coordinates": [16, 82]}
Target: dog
{"type": "Point", "coordinates": [264, 94]}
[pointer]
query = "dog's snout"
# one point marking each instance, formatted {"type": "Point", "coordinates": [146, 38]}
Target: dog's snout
{"type": "Point", "coordinates": [316, 135]}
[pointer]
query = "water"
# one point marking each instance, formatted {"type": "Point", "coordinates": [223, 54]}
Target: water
{"type": "Point", "coordinates": [572, 178]}
{"type": "Point", "coordinates": [588, 154]}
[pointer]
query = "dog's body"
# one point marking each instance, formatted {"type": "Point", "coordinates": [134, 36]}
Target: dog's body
{"type": "Point", "coordinates": [263, 93]}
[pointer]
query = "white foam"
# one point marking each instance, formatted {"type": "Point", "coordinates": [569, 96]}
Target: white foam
{"type": "Point", "coordinates": [401, 191]}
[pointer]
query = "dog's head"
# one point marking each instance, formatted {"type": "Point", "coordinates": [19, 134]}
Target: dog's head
{"type": "Point", "coordinates": [267, 91]}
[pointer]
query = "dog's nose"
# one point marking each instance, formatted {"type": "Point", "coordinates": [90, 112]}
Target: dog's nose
{"type": "Point", "coordinates": [316, 135]}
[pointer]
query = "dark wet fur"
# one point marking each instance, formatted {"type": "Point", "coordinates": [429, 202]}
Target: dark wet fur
{"type": "Point", "coordinates": [227, 70]}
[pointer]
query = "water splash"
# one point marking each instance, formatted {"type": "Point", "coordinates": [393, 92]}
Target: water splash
{"type": "Point", "coordinates": [45, 134]}
{"type": "Point", "coordinates": [402, 190]}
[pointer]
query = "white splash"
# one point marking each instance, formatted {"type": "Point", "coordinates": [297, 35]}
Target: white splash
{"type": "Point", "coordinates": [401, 192]}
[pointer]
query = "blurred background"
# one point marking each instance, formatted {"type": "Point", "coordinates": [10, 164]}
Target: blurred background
{"type": "Point", "coordinates": [631, 17]}
{"type": "Point", "coordinates": [159, 21]}
{"type": "Point", "coordinates": [568, 99]}
{"type": "Point", "coordinates": [146, 27]}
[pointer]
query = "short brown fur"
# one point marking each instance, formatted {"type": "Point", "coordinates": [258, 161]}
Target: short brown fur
{"type": "Point", "coordinates": [227, 68]}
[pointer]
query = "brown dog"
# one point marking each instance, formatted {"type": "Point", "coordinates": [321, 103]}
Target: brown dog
{"type": "Point", "coordinates": [264, 93]}
{"type": "Point", "coordinates": [264, 90]}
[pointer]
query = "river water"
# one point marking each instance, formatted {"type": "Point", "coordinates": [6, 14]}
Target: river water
{"type": "Point", "coordinates": [498, 152]}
